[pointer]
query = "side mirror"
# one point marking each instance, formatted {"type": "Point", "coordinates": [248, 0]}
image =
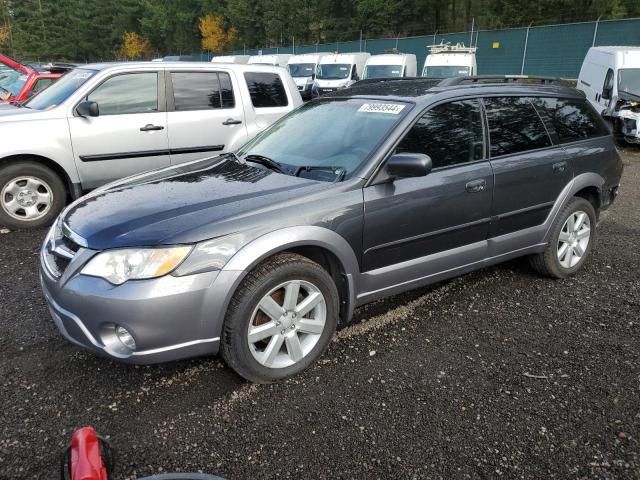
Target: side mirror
{"type": "Point", "coordinates": [606, 93]}
{"type": "Point", "coordinates": [88, 109]}
{"type": "Point", "coordinates": [403, 165]}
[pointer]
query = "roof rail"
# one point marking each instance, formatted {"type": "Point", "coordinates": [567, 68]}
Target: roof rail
{"type": "Point", "coordinates": [366, 81]}
{"type": "Point", "coordinates": [447, 82]}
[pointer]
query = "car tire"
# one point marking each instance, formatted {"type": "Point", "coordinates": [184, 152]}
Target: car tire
{"type": "Point", "coordinates": [572, 238]}
{"type": "Point", "coordinates": [31, 195]}
{"type": "Point", "coordinates": [264, 306]}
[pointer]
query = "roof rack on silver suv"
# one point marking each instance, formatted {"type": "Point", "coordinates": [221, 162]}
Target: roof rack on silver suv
{"type": "Point", "coordinates": [502, 79]}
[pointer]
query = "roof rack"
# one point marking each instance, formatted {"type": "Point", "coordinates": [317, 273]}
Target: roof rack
{"type": "Point", "coordinates": [448, 48]}
{"type": "Point", "coordinates": [447, 82]}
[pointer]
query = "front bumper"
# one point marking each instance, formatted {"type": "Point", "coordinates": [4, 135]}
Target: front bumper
{"type": "Point", "coordinates": [170, 318]}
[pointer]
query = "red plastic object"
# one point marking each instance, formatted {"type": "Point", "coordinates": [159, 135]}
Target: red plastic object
{"type": "Point", "coordinates": [86, 458]}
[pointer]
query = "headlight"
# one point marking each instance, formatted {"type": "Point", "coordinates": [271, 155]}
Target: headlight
{"type": "Point", "coordinates": [118, 266]}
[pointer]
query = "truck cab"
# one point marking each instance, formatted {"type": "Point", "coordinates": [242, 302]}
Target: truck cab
{"type": "Point", "coordinates": [339, 70]}
{"type": "Point", "coordinates": [445, 60]}
{"type": "Point", "coordinates": [610, 79]}
{"type": "Point", "coordinates": [303, 69]}
{"type": "Point", "coordinates": [390, 65]}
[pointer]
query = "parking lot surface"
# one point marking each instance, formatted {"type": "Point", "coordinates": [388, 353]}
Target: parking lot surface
{"type": "Point", "coordinates": [500, 373]}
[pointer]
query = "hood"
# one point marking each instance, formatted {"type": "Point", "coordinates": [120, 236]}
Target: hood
{"type": "Point", "coordinates": [302, 81]}
{"type": "Point", "coordinates": [342, 82]}
{"type": "Point", "coordinates": [10, 112]}
{"type": "Point", "coordinates": [183, 204]}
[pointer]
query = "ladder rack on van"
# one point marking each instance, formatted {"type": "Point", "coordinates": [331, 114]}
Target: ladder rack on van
{"type": "Point", "coordinates": [448, 48]}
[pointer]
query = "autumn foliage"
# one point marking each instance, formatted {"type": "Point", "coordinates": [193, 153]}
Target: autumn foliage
{"type": "Point", "coordinates": [134, 45]}
{"type": "Point", "coordinates": [215, 37]}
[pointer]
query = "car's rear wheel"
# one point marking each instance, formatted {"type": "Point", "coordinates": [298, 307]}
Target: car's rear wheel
{"type": "Point", "coordinates": [280, 319]}
{"type": "Point", "coordinates": [572, 238]}
{"type": "Point", "coordinates": [31, 195]}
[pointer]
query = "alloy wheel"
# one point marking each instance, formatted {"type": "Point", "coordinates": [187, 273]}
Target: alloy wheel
{"type": "Point", "coordinates": [287, 323]}
{"type": "Point", "coordinates": [26, 198]}
{"type": "Point", "coordinates": [574, 239]}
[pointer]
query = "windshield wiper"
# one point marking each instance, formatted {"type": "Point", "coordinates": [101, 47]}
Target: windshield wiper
{"type": "Point", "coordinates": [339, 172]}
{"type": "Point", "coordinates": [267, 162]}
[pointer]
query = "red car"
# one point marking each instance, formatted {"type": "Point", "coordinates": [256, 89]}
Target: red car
{"type": "Point", "coordinates": [20, 82]}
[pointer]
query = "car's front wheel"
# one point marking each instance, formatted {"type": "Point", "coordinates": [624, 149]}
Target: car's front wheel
{"type": "Point", "coordinates": [280, 319]}
{"type": "Point", "coordinates": [572, 238]}
{"type": "Point", "coordinates": [31, 195]}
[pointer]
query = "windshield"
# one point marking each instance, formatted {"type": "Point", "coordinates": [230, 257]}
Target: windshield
{"type": "Point", "coordinates": [61, 90]}
{"type": "Point", "coordinates": [445, 71]}
{"type": "Point", "coordinates": [11, 83]}
{"type": "Point", "coordinates": [382, 71]}
{"type": "Point", "coordinates": [334, 71]}
{"type": "Point", "coordinates": [337, 133]}
{"type": "Point", "coordinates": [629, 81]}
{"type": "Point", "coordinates": [302, 69]}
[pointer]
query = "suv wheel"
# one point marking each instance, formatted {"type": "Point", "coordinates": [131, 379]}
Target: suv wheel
{"type": "Point", "coordinates": [31, 195]}
{"type": "Point", "coordinates": [572, 238]}
{"type": "Point", "coordinates": [280, 319]}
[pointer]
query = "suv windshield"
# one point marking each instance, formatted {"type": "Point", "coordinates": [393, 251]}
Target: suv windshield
{"type": "Point", "coordinates": [629, 81]}
{"type": "Point", "coordinates": [382, 71]}
{"type": "Point", "coordinates": [302, 69]}
{"type": "Point", "coordinates": [445, 71]}
{"type": "Point", "coordinates": [334, 71]}
{"type": "Point", "coordinates": [61, 90]}
{"type": "Point", "coordinates": [327, 140]}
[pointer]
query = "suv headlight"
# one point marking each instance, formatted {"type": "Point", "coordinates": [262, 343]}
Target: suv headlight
{"type": "Point", "coordinates": [118, 266]}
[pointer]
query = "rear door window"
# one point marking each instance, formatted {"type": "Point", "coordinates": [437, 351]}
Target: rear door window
{"type": "Point", "coordinates": [266, 90]}
{"type": "Point", "coordinates": [201, 90]}
{"type": "Point", "coordinates": [570, 119]}
{"type": "Point", "coordinates": [450, 134]}
{"type": "Point", "coordinates": [514, 126]}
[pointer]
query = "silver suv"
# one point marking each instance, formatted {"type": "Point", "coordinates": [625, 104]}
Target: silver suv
{"type": "Point", "coordinates": [103, 122]}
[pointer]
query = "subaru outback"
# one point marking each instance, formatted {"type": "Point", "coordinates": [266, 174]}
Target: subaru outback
{"type": "Point", "coordinates": [377, 189]}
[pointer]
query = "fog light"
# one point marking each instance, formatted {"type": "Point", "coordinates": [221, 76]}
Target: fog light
{"type": "Point", "coordinates": [125, 337]}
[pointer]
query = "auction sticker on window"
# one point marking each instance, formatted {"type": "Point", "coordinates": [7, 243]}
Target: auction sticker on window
{"type": "Point", "coordinates": [392, 108]}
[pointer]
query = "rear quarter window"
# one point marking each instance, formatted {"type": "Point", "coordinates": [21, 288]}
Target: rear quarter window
{"type": "Point", "coordinates": [514, 126]}
{"type": "Point", "coordinates": [570, 119]}
{"type": "Point", "coordinates": [266, 89]}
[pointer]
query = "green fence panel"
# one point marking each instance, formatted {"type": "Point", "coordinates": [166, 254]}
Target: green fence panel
{"type": "Point", "coordinates": [551, 50]}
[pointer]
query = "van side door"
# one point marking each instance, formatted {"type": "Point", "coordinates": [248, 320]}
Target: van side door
{"type": "Point", "coordinates": [530, 172]}
{"type": "Point", "coordinates": [204, 113]}
{"type": "Point", "coordinates": [129, 135]}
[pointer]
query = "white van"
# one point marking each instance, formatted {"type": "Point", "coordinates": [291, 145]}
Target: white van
{"type": "Point", "coordinates": [391, 65]}
{"type": "Point", "coordinates": [303, 69]}
{"type": "Point", "coordinates": [610, 78]}
{"type": "Point", "coordinates": [231, 59]}
{"type": "Point", "coordinates": [446, 61]}
{"type": "Point", "coordinates": [339, 70]}
{"type": "Point", "coordinates": [278, 60]}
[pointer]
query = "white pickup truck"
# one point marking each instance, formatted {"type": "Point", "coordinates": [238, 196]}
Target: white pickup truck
{"type": "Point", "coordinates": [102, 122]}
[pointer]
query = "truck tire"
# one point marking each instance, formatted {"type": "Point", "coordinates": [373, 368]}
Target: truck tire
{"type": "Point", "coordinates": [572, 238]}
{"type": "Point", "coordinates": [31, 195]}
{"type": "Point", "coordinates": [280, 319]}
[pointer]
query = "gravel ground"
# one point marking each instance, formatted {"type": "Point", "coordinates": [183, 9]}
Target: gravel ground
{"type": "Point", "coordinates": [500, 373]}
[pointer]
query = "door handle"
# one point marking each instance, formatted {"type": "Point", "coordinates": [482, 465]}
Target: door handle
{"type": "Point", "coordinates": [559, 167]}
{"type": "Point", "coordinates": [149, 127]}
{"type": "Point", "coordinates": [476, 186]}
{"type": "Point", "coordinates": [232, 121]}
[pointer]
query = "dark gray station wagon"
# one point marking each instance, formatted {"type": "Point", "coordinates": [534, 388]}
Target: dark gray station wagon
{"type": "Point", "coordinates": [377, 189]}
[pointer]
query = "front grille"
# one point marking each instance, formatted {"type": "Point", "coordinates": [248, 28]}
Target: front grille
{"type": "Point", "coordinates": [58, 253]}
